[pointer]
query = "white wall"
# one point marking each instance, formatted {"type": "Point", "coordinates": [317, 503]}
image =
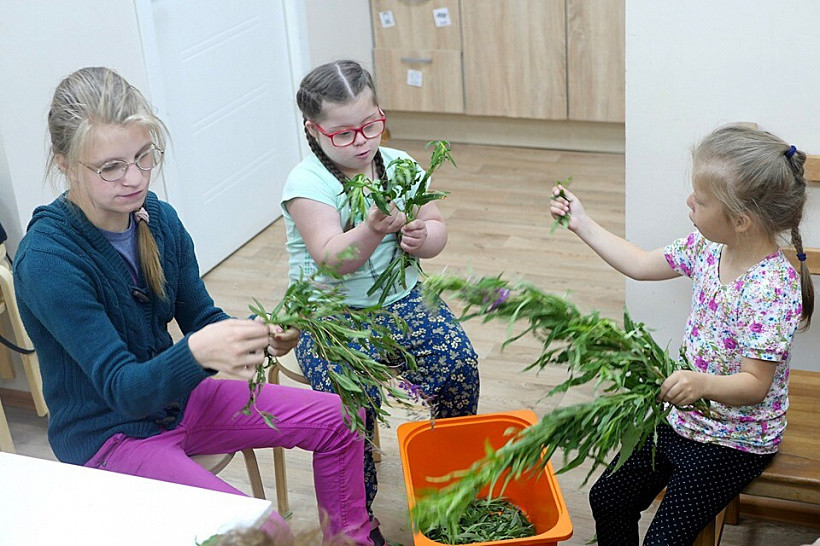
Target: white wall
{"type": "Point", "coordinates": [339, 29]}
{"type": "Point", "coordinates": [690, 67]}
{"type": "Point", "coordinates": [47, 41]}
{"type": "Point", "coordinates": [41, 43]}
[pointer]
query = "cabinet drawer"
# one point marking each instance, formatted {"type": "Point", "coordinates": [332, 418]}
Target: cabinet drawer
{"type": "Point", "coordinates": [437, 72]}
{"type": "Point", "coordinates": [414, 24]}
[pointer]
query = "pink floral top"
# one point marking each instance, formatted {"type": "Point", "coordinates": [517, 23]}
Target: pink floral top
{"type": "Point", "coordinates": [754, 316]}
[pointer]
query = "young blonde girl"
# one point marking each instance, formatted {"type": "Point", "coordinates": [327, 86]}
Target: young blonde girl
{"type": "Point", "coordinates": [96, 299]}
{"type": "Point", "coordinates": [747, 302]}
{"type": "Point", "coordinates": [343, 125]}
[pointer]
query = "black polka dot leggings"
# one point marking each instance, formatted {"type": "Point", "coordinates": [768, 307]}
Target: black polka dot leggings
{"type": "Point", "coordinates": [700, 480]}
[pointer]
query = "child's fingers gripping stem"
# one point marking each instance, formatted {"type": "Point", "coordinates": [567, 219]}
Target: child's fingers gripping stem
{"type": "Point", "coordinates": [564, 203]}
{"type": "Point", "coordinates": [281, 342]}
{"type": "Point", "coordinates": [413, 236]}
{"type": "Point", "coordinates": [385, 223]}
{"type": "Point", "coordinates": [682, 388]}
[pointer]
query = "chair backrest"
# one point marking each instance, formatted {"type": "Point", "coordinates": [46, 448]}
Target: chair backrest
{"type": "Point", "coordinates": [811, 172]}
{"type": "Point", "coordinates": [31, 365]}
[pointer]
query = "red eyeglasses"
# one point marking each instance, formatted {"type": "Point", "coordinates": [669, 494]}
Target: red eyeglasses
{"type": "Point", "coordinates": [346, 137]}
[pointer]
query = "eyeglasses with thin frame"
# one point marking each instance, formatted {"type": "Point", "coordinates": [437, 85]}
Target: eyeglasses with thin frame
{"type": "Point", "coordinates": [114, 171]}
{"type": "Point", "coordinates": [346, 137]}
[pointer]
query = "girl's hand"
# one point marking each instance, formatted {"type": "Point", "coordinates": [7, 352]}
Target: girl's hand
{"type": "Point", "coordinates": [561, 206]}
{"type": "Point", "coordinates": [683, 387]}
{"type": "Point", "coordinates": [413, 235]}
{"type": "Point", "coordinates": [231, 346]}
{"type": "Point", "coordinates": [282, 341]}
{"type": "Point", "coordinates": [385, 223]}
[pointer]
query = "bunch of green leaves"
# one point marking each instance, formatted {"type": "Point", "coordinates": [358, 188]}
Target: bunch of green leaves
{"type": "Point", "coordinates": [358, 341]}
{"type": "Point", "coordinates": [409, 189]}
{"type": "Point", "coordinates": [485, 520]}
{"type": "Point", "coordinates": [626, 365]}
{"type": "Point", "coordinates": [562, 221]}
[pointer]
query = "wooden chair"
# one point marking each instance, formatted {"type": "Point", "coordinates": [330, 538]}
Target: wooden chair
{"type": "Point", "coordinates": [290, 369]}
{"type": "Point", "coordinates": [216, 463]}
{"type": "Point", "coordinates": [31, 366]}
{"type": "Point", "coordinates": [789, 488]}
{"type": "Point", "coordinates": [5, 434]}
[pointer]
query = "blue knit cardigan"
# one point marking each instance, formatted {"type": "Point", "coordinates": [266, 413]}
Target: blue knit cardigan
{"type": "Point", "coordinates": [108, 363]}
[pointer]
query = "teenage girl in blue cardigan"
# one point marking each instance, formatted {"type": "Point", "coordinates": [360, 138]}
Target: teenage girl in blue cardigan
{"type": "Point", "coordinates": [101, 272]}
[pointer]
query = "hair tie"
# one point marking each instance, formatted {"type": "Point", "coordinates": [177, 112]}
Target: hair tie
{"type": "Point", "coordinates": [790, 152]}
{"type": "Point", "coordinates": [141, 215]}
{"type": "Point", "coordinates": [801, 256]}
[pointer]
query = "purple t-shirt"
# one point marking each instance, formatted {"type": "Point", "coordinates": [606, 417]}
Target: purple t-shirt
{"type": "Point", "coordinates": [126, 244]}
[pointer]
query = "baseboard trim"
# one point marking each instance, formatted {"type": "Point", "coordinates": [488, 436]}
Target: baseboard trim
{"type": "Point", "coordinates": [498, 131]}
{"type": "Point", "coordinates": [18, 399]}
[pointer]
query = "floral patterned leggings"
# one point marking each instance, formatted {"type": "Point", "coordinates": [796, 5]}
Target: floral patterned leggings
{"type": "Point", "coordinates": [447, 367]}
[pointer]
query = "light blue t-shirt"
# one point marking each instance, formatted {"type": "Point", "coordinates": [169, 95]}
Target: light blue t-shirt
{"type": "Point", "coordinates": [311, 180]}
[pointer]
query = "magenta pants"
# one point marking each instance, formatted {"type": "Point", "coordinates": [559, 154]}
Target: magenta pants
{"type": "Point", "coordinates": [212, 424]}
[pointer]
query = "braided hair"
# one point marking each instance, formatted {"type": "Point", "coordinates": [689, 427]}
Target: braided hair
{"type": "Point", "coordinates": [754, 172]}
{"type": "Point", "coordinates": [336, 82]}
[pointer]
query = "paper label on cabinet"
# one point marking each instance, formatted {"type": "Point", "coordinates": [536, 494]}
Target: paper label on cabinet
{"type": "Point", "coordinates": [441, 17]}
{"type": "Point", "coordinates": [387, 19]}
{"type": "Point", "coordinates": [414, 78]}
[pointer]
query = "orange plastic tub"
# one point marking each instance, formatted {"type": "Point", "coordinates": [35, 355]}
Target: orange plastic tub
{"type": "Point", "coordinates": [455, 444]}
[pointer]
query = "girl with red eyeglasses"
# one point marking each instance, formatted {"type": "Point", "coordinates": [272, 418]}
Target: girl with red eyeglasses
{"type": "Point", "coordinates": [343, 124]}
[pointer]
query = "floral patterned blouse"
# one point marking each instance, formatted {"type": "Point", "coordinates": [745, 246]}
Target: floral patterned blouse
{"type": "Point", "coordinates": [754, 316]}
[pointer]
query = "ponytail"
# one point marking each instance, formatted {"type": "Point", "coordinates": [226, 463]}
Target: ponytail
{"type": "Point", "coordinates": [149, 257]}
{"type": "Point", "coordinates": [806, 282]}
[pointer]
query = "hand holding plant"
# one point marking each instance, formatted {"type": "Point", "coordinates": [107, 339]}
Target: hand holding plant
{"type": "Point", "coordinates": [408, 191]}
{"type": "Point", "coordinates": [560, 201]}
{"type": "Point", "coordinates": [344, 336]}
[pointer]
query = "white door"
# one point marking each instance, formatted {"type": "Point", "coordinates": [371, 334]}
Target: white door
{"type": "Point", "coordinates": [221, 75]}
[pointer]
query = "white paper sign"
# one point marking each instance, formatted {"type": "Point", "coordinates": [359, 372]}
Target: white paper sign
{"type": "Point", "coordinates": [441, 17]}
{"type": "Point", "coordinates": [387, 19]}
{"type": "Point", "coordinates": [414, 78]}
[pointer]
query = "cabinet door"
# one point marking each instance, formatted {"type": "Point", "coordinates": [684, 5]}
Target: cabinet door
{"type": "Point", "coordinates": [515, 58]}
{"type": "Point", "coordinates": [595, 60]}
{"type": "Point", "coordinates": [412, 24]}
{"type": "Point", "coordinates": [419, 80]}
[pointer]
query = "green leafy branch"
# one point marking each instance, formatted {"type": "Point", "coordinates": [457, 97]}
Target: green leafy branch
{"type": "Point", "coordinates": [409, 190]}
{"type": "Point", "coordinates": [358, 341]}
{"type": "Point", "coordinates": [627, 365]}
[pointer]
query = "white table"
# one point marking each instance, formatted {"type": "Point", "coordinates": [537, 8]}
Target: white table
{"type": "Point", "coordinates": [44, 503]}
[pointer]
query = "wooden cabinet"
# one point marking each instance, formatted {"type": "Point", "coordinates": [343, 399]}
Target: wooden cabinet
{"type": "Point", "coordinates": [534, 59]}
{"type": "Point", "coordinates": [410, 24]}
{"type": "Point", "coordinates": [417, 55]}
{"type": "Point", "coordinates": [514, 58]}
{"type": "Point", "coordinates": [595, 60]}
{"type": "Point", "coordinates": [439, 81]}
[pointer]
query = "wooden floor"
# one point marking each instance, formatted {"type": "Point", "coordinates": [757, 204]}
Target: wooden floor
{"type": "Point", "coordinates": [498, 223]}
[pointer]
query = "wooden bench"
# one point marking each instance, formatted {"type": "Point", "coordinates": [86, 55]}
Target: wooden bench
{"type": "Point", "coordinates": [789, 488]}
